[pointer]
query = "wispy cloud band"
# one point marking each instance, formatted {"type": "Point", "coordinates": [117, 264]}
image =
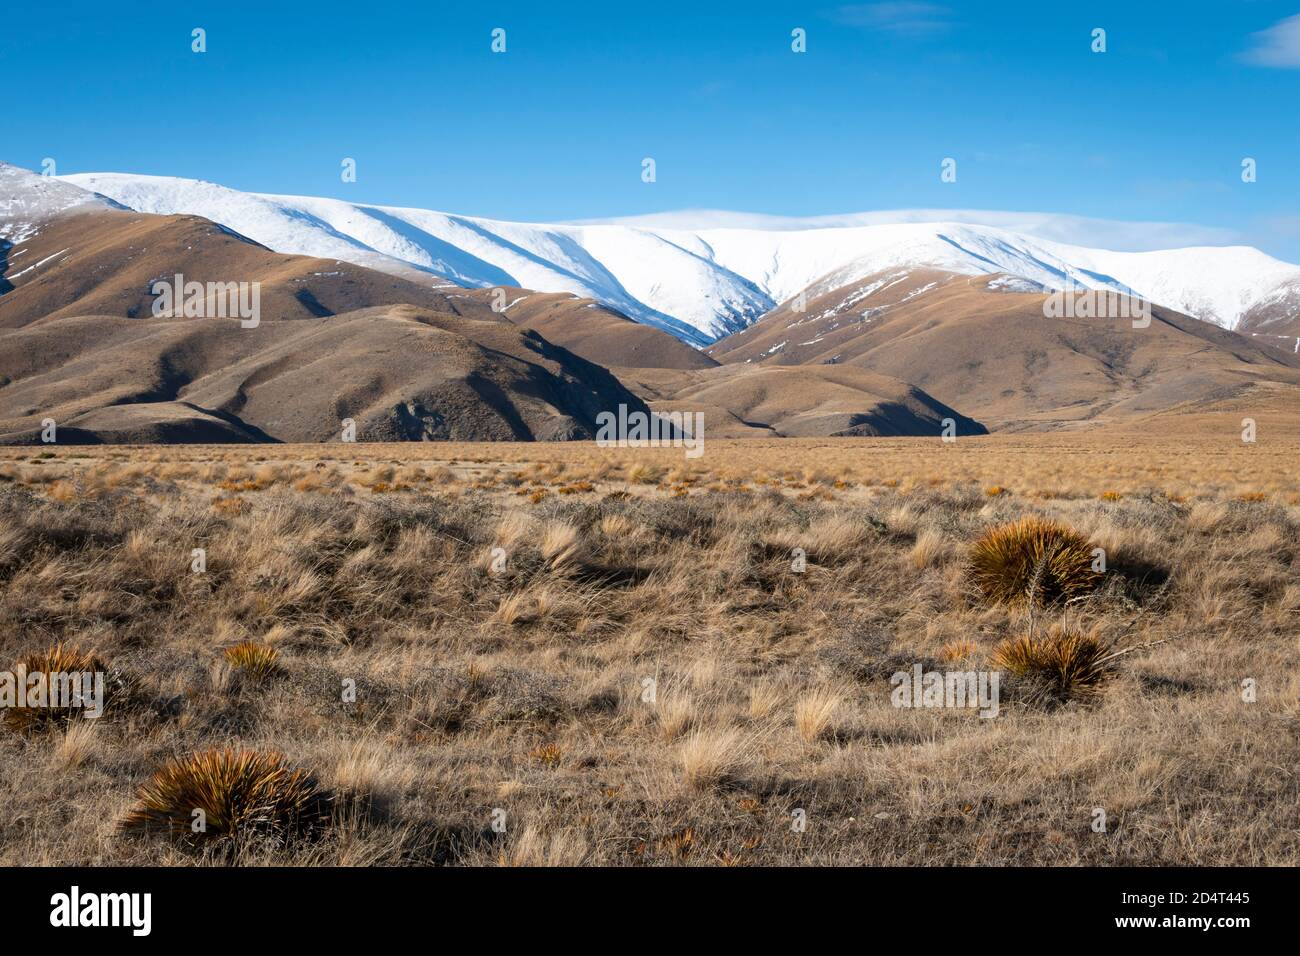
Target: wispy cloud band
{"type": "Point", "coordinates": [902, 18]}
{"type": "Point", "coordinates": [1116, 235]}
{"type": "Point", "coordinates": [1278, 46]}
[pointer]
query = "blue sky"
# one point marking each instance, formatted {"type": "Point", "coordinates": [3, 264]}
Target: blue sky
{"type": "Point", "coordinates": [555, 128]}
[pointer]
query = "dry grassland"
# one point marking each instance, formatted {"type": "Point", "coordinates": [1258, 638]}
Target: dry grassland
{"type": "Point", "coordinates": [640, 674]}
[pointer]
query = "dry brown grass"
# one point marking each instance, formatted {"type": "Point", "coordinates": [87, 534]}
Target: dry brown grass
{"type": "Point", "coordinates": [814, 713]}
{"type": "Point", "coordinates": [709, 758]}
{"type": "Point", "coordinates": [428, 690]}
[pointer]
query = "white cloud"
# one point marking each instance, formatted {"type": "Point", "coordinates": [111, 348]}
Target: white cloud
{"type": "Point", "coordinates": [1114, 234]}
{"type": "Point", "coordinates": [905, 18]}
{"type": "Point", "coordinates": [1278, 46]}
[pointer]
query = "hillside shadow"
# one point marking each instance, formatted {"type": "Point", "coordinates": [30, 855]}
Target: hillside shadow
{"type": "Point", "coordinates": [624, 302]}
{"type": "Point", "coordinates": [454, 259]}
{"type": "Point", "coordinates": [5, 284]}
{"type": "Point", "coordinates": [1019, 255]}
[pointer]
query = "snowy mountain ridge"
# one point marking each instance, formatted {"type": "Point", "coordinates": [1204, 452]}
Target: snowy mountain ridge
{"type": "Point", "coordinates": [27, 199]}
{"type": "Point", "coordinates": [700, 284]}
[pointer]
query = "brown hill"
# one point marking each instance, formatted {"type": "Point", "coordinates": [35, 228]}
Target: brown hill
{"type": "Point", "coordinates": [981, 345]}
{"type": "Point", "coordinates": [94, 261]}
{"type": "Point", "coordinates": [587, 328]}
{"type": "Point", "coordinates": [740, 401]}
{"type": "Point", "coordinates": [79, 344]}
{"type": "Point", "coordinates": [400, 372]}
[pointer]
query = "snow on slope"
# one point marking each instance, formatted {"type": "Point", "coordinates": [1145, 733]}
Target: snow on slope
{"type": "Point", "coordinates": [699, 284]}
{"type": "Point", "coordinates": [27, 199]}
{"type": "Point", "coordinates": [461, 249]}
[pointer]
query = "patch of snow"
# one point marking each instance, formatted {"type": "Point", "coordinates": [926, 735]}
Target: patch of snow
{"type": "Point", "coordinates": [37, 265]}
{"type": "Point", "coordinates": [28, 199]}
{"type": "Point", "coordinates": [1016, 284]}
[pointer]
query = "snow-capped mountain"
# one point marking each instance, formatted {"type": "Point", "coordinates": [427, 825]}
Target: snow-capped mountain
{"type": "Point", "coordinates": [27, 199]}
{"type": "Point", "coordinates": [701, 284]}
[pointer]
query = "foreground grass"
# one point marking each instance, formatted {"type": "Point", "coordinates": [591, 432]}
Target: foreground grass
{"type": "Point", "coordinates": [620, 664]}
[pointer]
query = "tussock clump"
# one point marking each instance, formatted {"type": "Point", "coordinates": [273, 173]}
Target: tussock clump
{"type": "Point", "coordinates": [239, 793]}
{"type": "Point", "coordinates": [958, 650]}
{"type": "Point", "coordinates": [1033, 560]}
{"type": "Point", "coordinates": [709, 758]}
{"type": "Point", "coordinates": [814, 713]}
{"type": "Point", "coordinates": [563, 848]}
{"type": "Point", "coordinates": [1059, 666]}
{"type": "Point", "coordinates": [928, 550]}
{"type": "Point", "coordinates": [548, 755]}
{"type": "Point", "coordinates": [836, 536]}
{"type": "Point", "coordinates": [58, 669]}
{"type": "Point", "coordinates": [642, 474]}
{"type": "Point", "coordinates": [562, 546]}
{"type": "Point", "coordinates": [258, 661]}
{"type": "Point", "coordinates": [676, 714]}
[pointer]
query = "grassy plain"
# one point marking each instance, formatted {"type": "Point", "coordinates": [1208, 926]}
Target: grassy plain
{"type": "Point", "coordinates": [640, 675]}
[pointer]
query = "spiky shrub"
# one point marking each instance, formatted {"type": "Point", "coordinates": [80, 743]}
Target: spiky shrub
{"type": "Point", "coordinates": [240, 793]}
{"type": "Point", "coordinates": [548, 754]}
{"type": "Point", "coordinates": [53, 666]}
{"type": "Point", "coordinates": [1033, 560]}
{"type": "Point", "coordinates": [258, 661]}
{"type": "Point", "coordinates": [958, 650]}
{"type": "Point", "coordinates": [1059, 666]}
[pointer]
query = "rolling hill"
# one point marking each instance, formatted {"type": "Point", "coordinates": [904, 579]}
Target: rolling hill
{"type": "Point", "coordinates": [79, 343]}
{"type": "Point", "coordinates": [984, 345]}
{"type": "Point", "coordinates": [769, 401]}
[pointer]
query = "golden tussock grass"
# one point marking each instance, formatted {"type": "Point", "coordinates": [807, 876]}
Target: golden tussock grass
{"type": "Point", "coordinates": [1065, 663]}
{"type": "Point", "coordinates": [258, 661]}
{"type": "Point", "coordinates": [1033, 560]}
{"type": "Point", "coordinates": [709, 757]}
{"type": "Point", "coordinates": [228, 794]}
{"type": "Point", "coordinates": [425, 684]}
{"type": "Point", "coordinates": [814, 713]}
{"type": "Point", "coordinates": [47, 673]}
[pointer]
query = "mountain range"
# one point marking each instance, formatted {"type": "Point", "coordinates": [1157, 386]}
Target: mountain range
{"type": "Point", "coordinates": [703, 284]}
{"type": "Point", "coordinates": [418, 325]}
